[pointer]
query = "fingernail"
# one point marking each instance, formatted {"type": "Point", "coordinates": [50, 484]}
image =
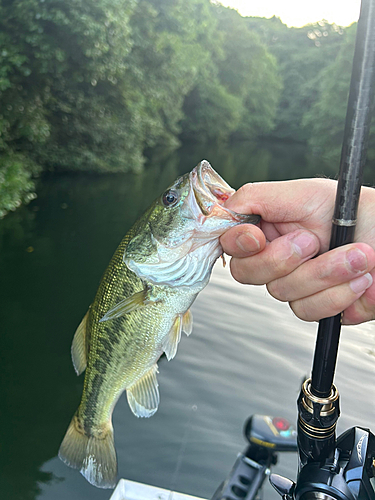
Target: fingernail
{"type": "Point", "coordinates": [359, 285]}
{"type": "Point", "coordinates": [304, 244]}
{"type": "Point", "coordinates": [356, 259]}
{"type": "Point", "coordinates": [247, 243]}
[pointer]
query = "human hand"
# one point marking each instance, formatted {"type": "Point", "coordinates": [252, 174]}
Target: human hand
{"type": "Point", "coordinates": [296, 226]}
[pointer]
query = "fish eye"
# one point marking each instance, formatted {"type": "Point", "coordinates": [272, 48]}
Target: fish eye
{"type": "Point", "coordinates": [170, 198]}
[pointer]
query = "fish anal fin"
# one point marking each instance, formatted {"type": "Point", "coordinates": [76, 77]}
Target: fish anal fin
{"type": "Point", "coordinates": [126, 306]}
{"type": "Point", "coordinates": [94, 456]}
{"type": "Point", "coordinates": [143, 396]}
{"type": "Point", "coordinates": [79, 356]}
{"type": "Point", "coordinates": [172, 339]}
{"type": "Point", "coordinates": [187, 322]}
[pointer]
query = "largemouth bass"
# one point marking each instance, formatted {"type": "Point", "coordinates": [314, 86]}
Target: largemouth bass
{"type": "Point", "coordinates": [139, 311]}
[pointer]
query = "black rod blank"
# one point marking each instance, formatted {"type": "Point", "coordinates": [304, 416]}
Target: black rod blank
{"type": "Point", "coordinates": [353, 157]}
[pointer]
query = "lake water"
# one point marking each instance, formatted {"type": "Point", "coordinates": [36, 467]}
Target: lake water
{"type": "Point", "coordinates": [247, 353]}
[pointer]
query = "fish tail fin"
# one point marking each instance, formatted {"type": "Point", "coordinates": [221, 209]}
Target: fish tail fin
{"type": "Point", "coordinates": [94, 456]}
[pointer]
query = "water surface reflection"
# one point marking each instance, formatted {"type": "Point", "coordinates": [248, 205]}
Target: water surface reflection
{"type": "Point", "coordinates": [247, 353]}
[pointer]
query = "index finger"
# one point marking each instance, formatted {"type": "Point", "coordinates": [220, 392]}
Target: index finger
{"type": "Point", "coordinates": [285, 201]}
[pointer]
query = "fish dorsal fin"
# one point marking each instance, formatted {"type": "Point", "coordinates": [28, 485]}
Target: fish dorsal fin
{"type": "Point", "coordinates": [127, 305]}
{"type": "Point", "coordinates": [171, 341]}
{"type": "Point", "coordinates": [143, 396]}
{"type": "Point", "coordinates": [187, 322]}
{"type": "Point", "coordinates": [79, 357]}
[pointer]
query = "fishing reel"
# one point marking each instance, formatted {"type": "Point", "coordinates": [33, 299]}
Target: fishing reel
{"type": "Point", "coordinates": [348, 475]}
{"type": "Point", "coordinates": [266, 436]}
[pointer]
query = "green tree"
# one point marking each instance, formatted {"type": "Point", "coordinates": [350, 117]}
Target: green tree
{"type": "Point", "coordinates": [52, 55]}
{"type": "Point", "coordinates": [249, 72]}
{"type": "Point", "coordinates": [237, 91]}
{"type": "Point", "coordinates": [89, 84]}
{"type": "Point", "coordinates": [16, 183]}
{"type": "Point", "coordinates": [326, 119]}
{"type": "Point", "coordinates": [301, 53]}
{"type": "Point", "coordinates": [169, 51]}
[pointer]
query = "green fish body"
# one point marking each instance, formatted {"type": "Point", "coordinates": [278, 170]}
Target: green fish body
{"type": "Point", "coordinates": [139, 311]}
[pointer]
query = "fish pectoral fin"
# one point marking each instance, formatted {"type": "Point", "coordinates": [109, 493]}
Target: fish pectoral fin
{"type": "Point", "coordinates": [143, 396]}
{"type": "Point", "coordinates": [128, 305]}
{"type": "Point", "coordinates": [187, 322]}
{"type": "Point", "coordinates": [79, 356]}
{"type": "Point", "coordinates": [172, 339]}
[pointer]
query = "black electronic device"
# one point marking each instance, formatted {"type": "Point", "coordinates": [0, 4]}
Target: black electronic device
{"type": "Point", "coordinates": [266, 436]}
{"type": "Point", "coordinates": [276, 433]}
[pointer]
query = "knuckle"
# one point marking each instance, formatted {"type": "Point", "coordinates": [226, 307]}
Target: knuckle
{"type": "Point", "coordinates": [367, 309]}
{"type": "Point", "coordinates": [237, 271]}
{"type": "Point", "coordinates": [302, 311]}
{"type": "Point", "coordinates": [333, 302]}
{"type": "Point", "coordinates": [277, 290]}
{"type": "Point", "coordinates": [369, 315]}
{"type": "Point", "coordinates": [321, 306]}
{"type": "Point", "coordinates": [246, 189]}
{"type": "Point", "coordinates": [276, 266]}
{"type": "Point", "coordinates": [324, 270]}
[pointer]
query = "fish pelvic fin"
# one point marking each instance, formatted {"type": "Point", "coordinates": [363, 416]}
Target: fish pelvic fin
{"type": "Point", "coordinates": [79, 356]}
{"type": "Point", "coordinates": [187, 322]}
{"type": "Point", "coordinates": [93, 455]}
{"type": "Point", "coordinates": [172, 339]}
{"type": "Point", "coordinates": [139, 299]}
{"type": "Point", "coordinates": [143, 396]}
{"type": "Point", "coordinates": [182, 323]}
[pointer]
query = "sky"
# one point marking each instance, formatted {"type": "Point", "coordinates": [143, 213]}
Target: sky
{"type": "Point", "coordinates": [299, 12]}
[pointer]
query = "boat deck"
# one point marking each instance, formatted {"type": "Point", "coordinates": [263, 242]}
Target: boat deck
{"type": "Point", "coordinates": [131, 490]}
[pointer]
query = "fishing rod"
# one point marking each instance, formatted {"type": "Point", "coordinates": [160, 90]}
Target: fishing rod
{"type": "Point", "coordinates": [316, 431]}
{"type": "Point", "coordinates": [329, 469]}
{"type": "Point", "coordinates": [353, 157]}
{"type": "Point", "coordinates": [327, 463]}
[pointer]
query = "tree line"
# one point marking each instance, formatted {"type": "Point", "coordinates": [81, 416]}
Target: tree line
{"type": "Point", "coordinates": [90, 85]}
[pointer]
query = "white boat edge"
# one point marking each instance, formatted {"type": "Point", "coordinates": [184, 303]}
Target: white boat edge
{"type": "Point", "coordinates": [131, 490]}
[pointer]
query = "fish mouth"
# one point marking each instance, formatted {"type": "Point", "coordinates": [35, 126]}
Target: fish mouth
{"type": "Point", "coordinates": [211, 192]}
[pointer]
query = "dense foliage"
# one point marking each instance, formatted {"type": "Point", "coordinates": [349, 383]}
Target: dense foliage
{"type": "Point", "coordinates": [90, 85]}
{"type": "Point", "coordinates": [237, 92]}
{"type": "Point", "coordinates": [302, 55]}
{"type": "Point", "coordinates": [325, 119]}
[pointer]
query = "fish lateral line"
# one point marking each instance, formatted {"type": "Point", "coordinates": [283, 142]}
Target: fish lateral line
{"type": "Point", "coordinates": [164, 260]}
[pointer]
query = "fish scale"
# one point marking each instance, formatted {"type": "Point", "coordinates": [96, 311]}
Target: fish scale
{"type": "Point", "coordinates": [139, 310]}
